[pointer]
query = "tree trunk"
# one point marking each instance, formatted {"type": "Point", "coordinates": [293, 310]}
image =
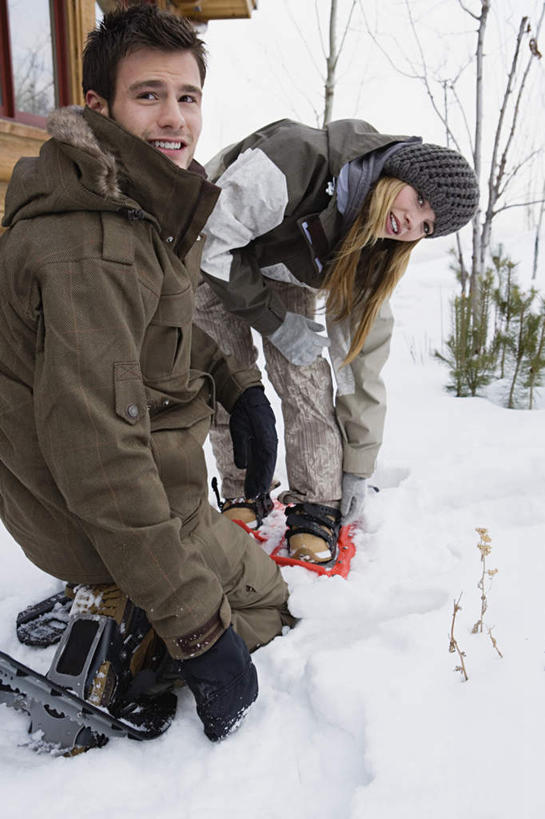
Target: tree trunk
{"type": "Point", "coordinates": [538, 231]}
{"type": "Point", "coordinates": [331, 63]}
{"type": "Point", "coordinates": [476, 270]}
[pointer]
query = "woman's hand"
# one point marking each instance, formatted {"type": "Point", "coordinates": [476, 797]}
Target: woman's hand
{"type": "Point", "coordinates": [354, 491]}
{"type": "Point", "coordinates": [298, 339]}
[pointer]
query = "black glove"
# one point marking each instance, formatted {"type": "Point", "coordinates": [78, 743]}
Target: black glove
{"type": "Point", "coordinates": [252, 426]}
{"type": "Point", "coordinates": [223, 681]}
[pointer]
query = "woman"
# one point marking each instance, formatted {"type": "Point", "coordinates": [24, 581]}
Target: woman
{"type": "Point", "coordinates": [305, 211]}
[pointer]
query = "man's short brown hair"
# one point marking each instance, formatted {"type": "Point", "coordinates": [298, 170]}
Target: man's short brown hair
{"type": "Point", "coordinates": [124, 31]}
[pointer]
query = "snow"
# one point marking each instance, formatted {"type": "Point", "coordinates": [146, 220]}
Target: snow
{"type": "Point", "coordinates": [361, 713]}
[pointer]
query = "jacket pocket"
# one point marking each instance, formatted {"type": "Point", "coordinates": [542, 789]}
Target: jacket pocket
{"type": "Point", "coordinates": [167, 343]}
{"type": "Point", "coordinates": [183, 417]}
{"type": "Point", "coordinates": [130, 394]}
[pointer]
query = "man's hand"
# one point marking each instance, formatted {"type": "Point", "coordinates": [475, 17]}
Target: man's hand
{"type": "Point", "coordinates": [223, 681]}
{"type": "Point", "coordinates": [298, 339]}
{"type": "Point", "coordinates": [354, 491]}
{"type": "Point", "coordinates": [253, 430]}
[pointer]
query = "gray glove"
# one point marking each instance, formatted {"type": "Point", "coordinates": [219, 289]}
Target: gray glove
{"type": "Point", "coordinates": [298, 340]}
{"type": "Point", "coordinates": [353, 499]}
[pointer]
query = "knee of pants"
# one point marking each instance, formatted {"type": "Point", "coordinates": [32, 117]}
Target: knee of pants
{"type": "Point", "coordinates": [257, 627]}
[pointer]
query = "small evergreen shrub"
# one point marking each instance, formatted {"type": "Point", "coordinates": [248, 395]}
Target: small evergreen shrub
{"type": "Point", "coordinates": [497, 335]}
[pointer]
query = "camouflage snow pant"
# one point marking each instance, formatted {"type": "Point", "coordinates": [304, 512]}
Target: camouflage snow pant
{"type": "Point", "coordinates": [314, 451]}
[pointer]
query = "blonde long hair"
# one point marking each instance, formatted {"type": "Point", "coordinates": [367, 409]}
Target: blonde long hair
{"type": "Point", "coordinates": [366, 269]}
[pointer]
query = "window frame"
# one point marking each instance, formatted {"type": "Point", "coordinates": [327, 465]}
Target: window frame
{"type": "Point", "coordinates": [60, 63]}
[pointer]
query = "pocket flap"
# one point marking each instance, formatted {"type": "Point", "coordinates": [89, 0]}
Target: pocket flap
{"type": "Point", "coordinates": [182, 417]}
{"type": "Point", "coordinates": [175, 310]}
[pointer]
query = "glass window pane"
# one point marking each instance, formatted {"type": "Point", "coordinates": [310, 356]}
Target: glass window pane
{"type": "Point", "coordinates": [32, 56]}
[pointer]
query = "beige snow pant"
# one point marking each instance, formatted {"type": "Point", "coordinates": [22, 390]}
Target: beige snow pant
{"type": "Point", "coordinates": [312, 438]}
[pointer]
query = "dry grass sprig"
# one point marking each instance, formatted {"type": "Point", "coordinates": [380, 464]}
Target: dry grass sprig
{"type": "Point", "coordinates": [493, 641]}
{"type": "Point", "coordinates": [454, 647]}
{"type": "Point", "coordinates": [485, 547]}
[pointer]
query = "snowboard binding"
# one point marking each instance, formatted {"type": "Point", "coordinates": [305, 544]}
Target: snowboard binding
{"type": "Point", "coordinates": [313, 531]}
{"type": "Point", "coordinates": [106, 678]}
{"type": "Point", "coordinates": [44, 623]}
{"type": "Point", "coordinates": [250, 511]}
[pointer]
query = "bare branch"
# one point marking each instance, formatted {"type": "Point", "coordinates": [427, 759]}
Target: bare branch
{"type": "Point", "coordinates": [383, 51]}
{"type": "Point", "coordinates": [345, 32]}
{"type": "Point", "coordinates": [285, 74]}
{"type": "Point", "coordinates": [494, 179]}
{"type": "Point", "coordinates": [317, 15]}
{"type": "Point", "coordinates": [518, 205]}
{"type": "Point", "coordinates": [514, 171]}
{"type": "Point", "coordinates": [464, 116]}
{"type": "Point", "coordinates": [497, 171]}
{"type": "Point", "coordinates": [468, 11]}
{"type": "Point", "coordinates": [425, 78]}
{"type": "Point", "coordinates": [305, 43]}
{"type": "Point", "coordinates": [503, 160]}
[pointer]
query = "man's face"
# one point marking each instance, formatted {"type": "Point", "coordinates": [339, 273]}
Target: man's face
{"type": "Point", "coordinates": [158, 98]}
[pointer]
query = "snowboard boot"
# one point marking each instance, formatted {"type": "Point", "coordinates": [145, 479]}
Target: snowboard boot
{"type": "Point", "coordinates": [312, 532]}
{"type": "Point", "coordinates": [249, 511]}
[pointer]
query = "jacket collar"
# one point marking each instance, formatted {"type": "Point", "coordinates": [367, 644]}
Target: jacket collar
{"type": "Point", "coordinates": [125, 170]}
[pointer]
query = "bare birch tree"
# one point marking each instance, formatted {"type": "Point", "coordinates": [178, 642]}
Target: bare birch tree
{"type": "Point", "coordinates": [496, 165]}
{"type": "Point", "coordinates": [332, 57]}
{"type": "Point", "coordinates": [538, 227]}
{"type": "Point", "coordinates": [335, 19]}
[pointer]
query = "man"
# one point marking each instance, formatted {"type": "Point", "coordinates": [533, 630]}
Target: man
{"type": "Point", "coordinates": [106, 391]}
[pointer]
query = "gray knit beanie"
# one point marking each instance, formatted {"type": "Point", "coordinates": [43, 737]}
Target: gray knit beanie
{"type": "Point", "coordinates": [441, 176]}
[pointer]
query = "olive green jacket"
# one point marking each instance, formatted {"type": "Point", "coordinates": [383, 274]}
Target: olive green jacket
{"type": "Point", "coordinates": [106, 393]}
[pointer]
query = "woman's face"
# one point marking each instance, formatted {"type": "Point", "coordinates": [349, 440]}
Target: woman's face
{"type": "Point", "coordinates": [411, 217]}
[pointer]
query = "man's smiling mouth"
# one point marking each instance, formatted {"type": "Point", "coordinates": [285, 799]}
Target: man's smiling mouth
{"type": "Point", "coordinates": [167, 145]}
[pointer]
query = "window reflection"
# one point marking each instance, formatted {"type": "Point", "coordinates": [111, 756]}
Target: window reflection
{"type": "Point", "coordinates": [32, 53]}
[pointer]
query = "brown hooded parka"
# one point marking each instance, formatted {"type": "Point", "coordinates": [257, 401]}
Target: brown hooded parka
{"type": "Point", "coordinates": [106, 393]}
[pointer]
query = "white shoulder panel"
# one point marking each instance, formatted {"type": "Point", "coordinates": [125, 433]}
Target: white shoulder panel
{"type": "Point", "coordinates": [253, 201]}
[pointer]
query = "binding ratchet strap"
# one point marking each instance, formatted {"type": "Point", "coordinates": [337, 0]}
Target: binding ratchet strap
{"type": "Point", "coordinates": [314, 519]}
{"type": "Point", "coordinates": [252, 510]}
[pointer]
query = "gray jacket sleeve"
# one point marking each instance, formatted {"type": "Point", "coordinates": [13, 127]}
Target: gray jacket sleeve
{"type": "Point", "coordinates": [253, 201]}
{"type": "Point", "coordinates": [361, 396]}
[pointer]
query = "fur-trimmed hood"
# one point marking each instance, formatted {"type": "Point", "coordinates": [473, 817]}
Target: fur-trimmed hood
{"type": "Point", "coordinates": [68, 126]}
{"type": "Point", "coordinates": [72, 172]}
{"type": "Point", "coordinates": [93, 164]}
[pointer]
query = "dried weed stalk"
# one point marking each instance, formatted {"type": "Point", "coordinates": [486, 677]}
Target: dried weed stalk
{"type": "Point", "coordinates": [493, 641]}
{"type": "Point", "coordinates": [485, 547]}
{"type": "Point", "coordinates": [454, 647]}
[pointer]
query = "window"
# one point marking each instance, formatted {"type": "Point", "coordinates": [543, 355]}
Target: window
{"type": "Point", "coordinates": [33, 76]}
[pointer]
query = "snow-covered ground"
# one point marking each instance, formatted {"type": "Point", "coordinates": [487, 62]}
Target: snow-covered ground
{"type": "Point", "coordinates": [361, 713]}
